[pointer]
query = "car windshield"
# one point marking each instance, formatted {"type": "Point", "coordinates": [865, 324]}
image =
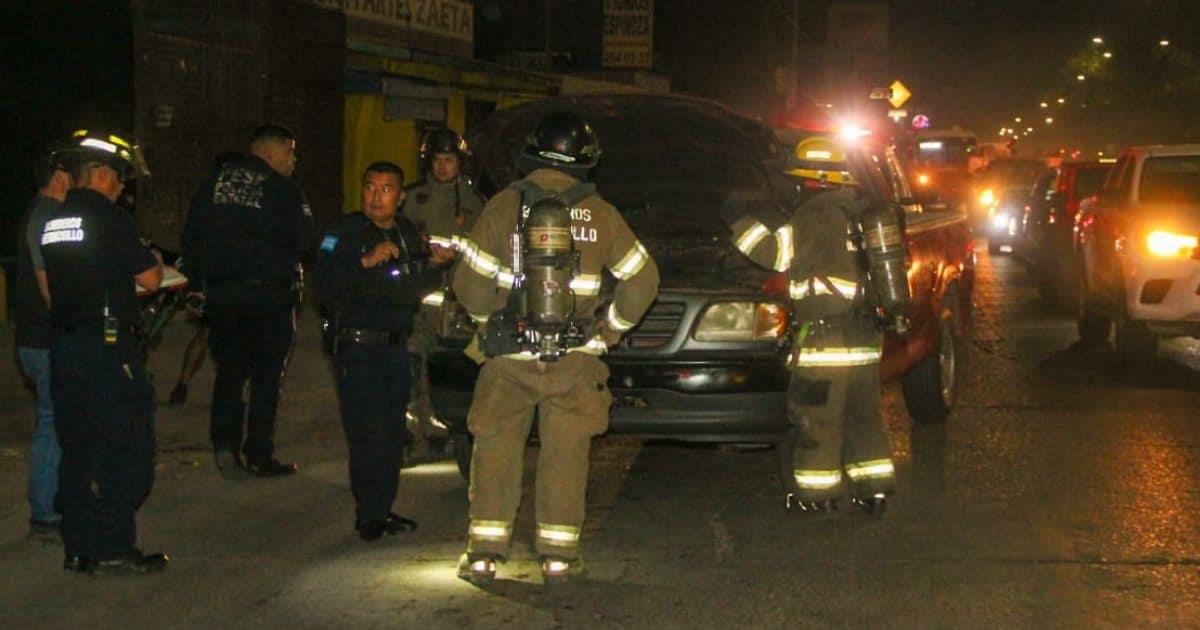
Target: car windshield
{"type": "Point", "coordinates": [1174, 179]}
{"type": "Point", "coordinates": [945, 151]}
{"type": "Point", "coordinates": [666, 164]}
{"type": "Point", "coordinates": [1088, 181]}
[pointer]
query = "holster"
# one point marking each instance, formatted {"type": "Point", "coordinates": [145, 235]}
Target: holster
{"type": "Point", "coordinates": [500, 336]}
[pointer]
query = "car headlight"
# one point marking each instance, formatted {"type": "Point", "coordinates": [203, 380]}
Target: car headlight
{"type": "Point", "coordinates": [987, 197]}
{"type": "Point", "coordinates": [923, 180]}
{"type": "Point", "coordinates": [742, 321]}
{"type": "Point", "coordinates": [1170, 245]}
{"type": "Point", "coordinates": [1000, 220]}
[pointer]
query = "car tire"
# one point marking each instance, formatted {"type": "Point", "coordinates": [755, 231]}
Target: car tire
{"type": "Point", "coordinates": [931, 386]}
{"type": "Point", "coordinates": [1094, 328]}
{"type": "Point", "coordinates": [1137, 348]}
{"type": "Point", "coordinates": [464, 446]}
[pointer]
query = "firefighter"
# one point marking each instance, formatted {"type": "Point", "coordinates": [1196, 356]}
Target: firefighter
{"type": "Point", "coordinates": [530, 275]}
{"type": "Point", "coordinates": [371, 270]}
{"type": "Point", "coordinates": [444, 207]}
{"type": "Point", "coordinates": [838, 443]}
{"type": "Point", "coordinates": [103, 401]}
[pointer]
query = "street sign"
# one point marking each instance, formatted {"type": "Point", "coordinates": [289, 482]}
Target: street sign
{"type": "Point", "coordinates": [900, 94]}
{"type": "Point", "coordinates": [881, 93]}
{"type": "Point", "coordinates": [920, 121]}
{"type": "Point", "coordinates": [897, 115]}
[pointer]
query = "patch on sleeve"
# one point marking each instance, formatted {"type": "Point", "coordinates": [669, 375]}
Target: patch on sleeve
{"type": "Point", "coordinates": [328, 243]}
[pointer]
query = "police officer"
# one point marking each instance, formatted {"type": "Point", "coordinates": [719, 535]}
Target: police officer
{"type": "Point", "coordinates": [444, 207]}
{"type": "Point", "coordinates": [833, 396]}
{"type": "Point", "coordinates": [103, 402]}
{"type": "Point", "coordinates": [35, 334]}
{"type": "Point", "coordinates": [570, 393]}
{"type": "Point", "coordinates": [372, 269]}
{"type": "Point", "coordinates": [246, 233]}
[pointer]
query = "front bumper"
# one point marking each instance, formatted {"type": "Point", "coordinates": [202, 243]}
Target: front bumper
{"type": "Point", "coordinates": [740, 400]}
{"type": "Point", "coordinates": [1001, 226]}
{"type": "Point", "coordinates": [1165, 293]}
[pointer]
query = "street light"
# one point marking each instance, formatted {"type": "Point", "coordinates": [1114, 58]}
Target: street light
{"type": "Point", "coordinates": [1049, 120]}
{"type": "Point", "coordinates": [1164, 42]}
{"type": "Point", "coordinates": [1107, 55]}
{"type": "Point", "coordinates": [1097, 40]}
{"type": "Point", "coordinates": [1029, 130]}
{"type": "Point", "coordinates": [1017, 119]}
{"type": "Point", "coordinates": [1061, 100]}
{"type": "Point", "coordinates": [1044, 104]}
{"type": "Point", "coordinates": [1079, 77]}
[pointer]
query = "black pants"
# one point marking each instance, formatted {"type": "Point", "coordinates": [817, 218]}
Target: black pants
{"type": "Point", "coordinates": [250, 341]}
{"type": "Point", "coordinates": [104, 415]}
{"type": "Point", "coordinates": [373, 386]}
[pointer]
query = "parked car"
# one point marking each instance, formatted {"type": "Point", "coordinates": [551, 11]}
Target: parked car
{"type": "Point", "coordinates": [1047, 243]}
{"type": "Point", "coordinates": [669, 162]}
{"type": "Point", "coordinates": [1140, 264]}
{"type": "Point", "coordinates": [1002, 190]}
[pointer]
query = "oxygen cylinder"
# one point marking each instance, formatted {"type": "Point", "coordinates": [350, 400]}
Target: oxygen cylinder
{"type": "Point", "coordinates": [887, 259]}
{"type": "Point", "coordinates": [549, 265]}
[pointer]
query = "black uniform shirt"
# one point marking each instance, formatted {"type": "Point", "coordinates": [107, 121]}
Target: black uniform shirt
{"type": "Point", "coordinates": [247, 222]}
{"type": "Point", "coordinates": [383, 297]}
{"type": "Point", "coordinates": [34, 329]}
{"type": "Point", "coordinates": [92, 252]}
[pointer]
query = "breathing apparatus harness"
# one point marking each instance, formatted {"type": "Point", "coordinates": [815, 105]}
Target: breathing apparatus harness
{"type": "Point", "coordinates": [537, 318]}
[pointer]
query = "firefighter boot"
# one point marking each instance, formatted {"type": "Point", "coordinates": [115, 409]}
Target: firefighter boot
{"type": "Point", "coordinates": [558, 571]}
{"type": "Point", "coordinates": [478, 568]}
{"type": "Point", "coordinates": [810, 507]}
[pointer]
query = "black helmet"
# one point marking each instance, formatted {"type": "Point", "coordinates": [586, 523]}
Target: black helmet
{"type": "Point", "coordinates": [443, 140]}
{"type": "Point", "coordinates": [108, 149]}
{"type": "Point", "coordinates": [562, 140]}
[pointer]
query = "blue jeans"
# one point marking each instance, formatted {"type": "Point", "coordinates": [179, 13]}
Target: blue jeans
{"type": "Point", "coordinates": [44, 453]}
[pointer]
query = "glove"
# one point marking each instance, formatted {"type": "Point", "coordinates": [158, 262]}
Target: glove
{"type": "Point", "coordinates": [601, 329]}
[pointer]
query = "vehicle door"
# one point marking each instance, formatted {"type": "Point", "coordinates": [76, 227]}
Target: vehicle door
{"type": "Point", "coordinates": [1104, 227]}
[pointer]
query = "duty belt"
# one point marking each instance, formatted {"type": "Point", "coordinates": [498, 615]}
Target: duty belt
{"type": "Point", "coordinates": [371, 337]}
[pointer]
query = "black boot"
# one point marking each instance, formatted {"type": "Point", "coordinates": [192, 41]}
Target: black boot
{"type": "Point", "coordinates": [808, 506]}
{"type": "Point", "coordinates": [133, 563]}
{"type": "Point", "coordinates": [874, 504]}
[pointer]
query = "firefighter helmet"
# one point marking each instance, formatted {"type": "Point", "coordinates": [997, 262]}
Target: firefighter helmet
{"type": "Point", "coordinates": [443, 140]}
{"type": "Point", "coordinates": [822, 159]}
{"type": "Point", "coordinates": [561, 140]}
{"type": "Point", "coordinates": [109, 149]}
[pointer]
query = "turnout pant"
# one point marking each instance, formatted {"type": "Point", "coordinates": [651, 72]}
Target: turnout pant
{"type": "Point", "coordinates": [420, 344]}
{"type": "Point", "coordinates": [833, 403]}
{"type": "Point", "coordinates": [572, 399]}
{"type": "Point", "coordinates": [250, 340]}
{"type": "Point", "coordinates": [104, 413]}
{"type": "Point", "coordinates": [373, 382]}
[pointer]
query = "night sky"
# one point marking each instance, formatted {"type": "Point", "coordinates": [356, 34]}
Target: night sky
{"type": "Point", "coordinates": [968, 62]}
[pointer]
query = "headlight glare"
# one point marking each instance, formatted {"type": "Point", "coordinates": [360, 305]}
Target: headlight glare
{"type": "Point", "coordinates": [987, 197]}
{"type": "Point", "coordinates": [1170, 245]}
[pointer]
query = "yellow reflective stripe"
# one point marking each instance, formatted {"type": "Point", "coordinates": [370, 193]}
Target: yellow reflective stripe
{"type": "Point", "coordinates": [750, 239]}
{"type": "Point", "coordinates": [632, 262]}
{"type": "Point", "coordinates": [617, 322]}
{"type": "Point", "coordinates": [836, 357]}
{"type": "Point", "coordinates": [480, 261]}
{"type": "Point", "coordinates": [798, 289]}
{"type": "Point", "coordinates": [817, 479]}
{"type": "Point", "coordinates": [490, 530]}
{"type": "Point", "coordinates": [479, 319]}
{"type": "Point", "coordinates": [871, 469]}
{"type": "Point", "coordinates": [559, 535]}
{"type": "Point", "coordinates": [784, 249]}
{"type": "Point", "coordinates": [505, 279]}
{"type": "Point", "coordinates": [434, 299]}
{"type": "Point", "coordinates": [586, 284]}
{"type": "Point", "coordinates": [442, 241]}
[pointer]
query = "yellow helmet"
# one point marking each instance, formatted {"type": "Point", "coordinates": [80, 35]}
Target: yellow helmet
{"type": "Point", "coordinates": [822, 159]}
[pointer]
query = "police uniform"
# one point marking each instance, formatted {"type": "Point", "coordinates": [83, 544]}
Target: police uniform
{"type": "Point", "coordinates": [246, 232]}
{"type": "Point", "coordinates": [570, 395]}
{"type": "Point", "coordinates": [103, 402]}
{"type": "Point", "coordinates": [371, 314]}
{"type": "Point", "coordinates": [833, 396]}
{"type": "Point", "coordinates": [445, 212]}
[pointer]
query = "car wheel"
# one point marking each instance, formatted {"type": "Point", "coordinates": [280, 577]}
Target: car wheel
{"type": "Point", "coordinates": [1094, 328]}
{"type": "Point", "coordinates": [930, 386]}
{"type": "Point", "coordinates": [1137, 347]}
{"type": "Point", "coordinates": [463, 448]}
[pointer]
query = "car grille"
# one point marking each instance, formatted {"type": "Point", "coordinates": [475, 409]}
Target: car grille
{"type": "Point", "coordinates": [656, 328]}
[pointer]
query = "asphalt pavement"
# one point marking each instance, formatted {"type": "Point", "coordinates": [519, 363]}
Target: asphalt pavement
{"type": "Point", "coordinates": [1056, 496]}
